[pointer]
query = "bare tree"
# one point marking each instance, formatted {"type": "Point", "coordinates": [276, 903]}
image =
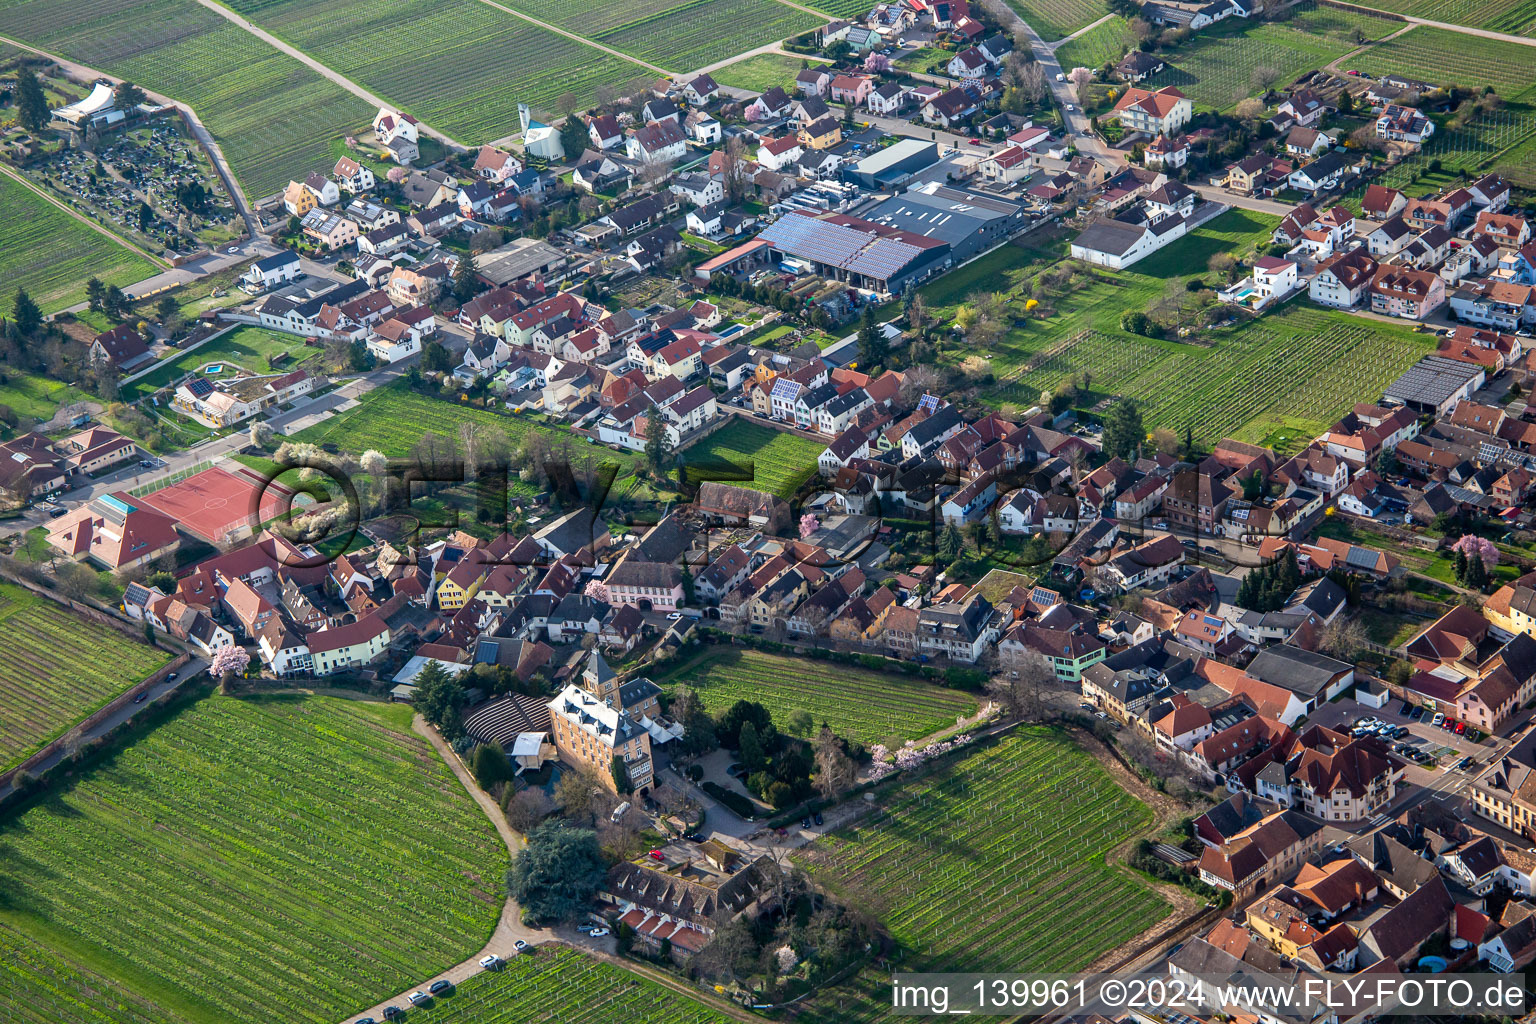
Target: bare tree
{"type": "Point", "coordinates": [1028, 689]}
{"type": "Point", "coordinates": [526, 808]}
{"type": "Point", "coordinates": [917, 381]}
{"type": "Point", "coordinates": [1343, 638]}
{"type": "Point", "coordinates": [470, 435]}
{"type": "Point", "coordinates": [834, 768]}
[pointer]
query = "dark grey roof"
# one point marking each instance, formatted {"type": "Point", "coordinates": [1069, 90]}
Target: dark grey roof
{"type": "Point", "coordinates": [1304, 673]}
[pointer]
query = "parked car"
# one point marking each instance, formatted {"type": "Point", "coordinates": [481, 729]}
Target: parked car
{"type": "Point", "coordinates": [656, 855]}
{"type": "Point", "coordinates": [1418, 713]}
{"type": "Point", "coordinates": [491, 962]}
{"type": "Point", "coordinates": [1448, 724]}
{"type": "Point", "coordinates": [365, 1020]}
{"type": "Point", "coordinates": [519, 945]}
{"type": "Point", "coordinates": [393, 1013]}
{"type": "Point", "coordinates": [598, 933]}
{"type": "Point", "coordinates": [1461, 727]}
{"type": "Point", "coordinates": [805, 822]}
{"type": "Point", "coordinates": [1405, 709]}
{"type": "Point", "coordinates": [170, 677]}
{"type": "Point", "coordinates": [735, 771]}
{"type": "Point", "coordinates": [440, 986]}
{"type": "Point", "coordinates": [817, 818]}
{"type": "Point", "coordinates": [418, 998]}
{"type": "Point", "coordinates": [141, 697]}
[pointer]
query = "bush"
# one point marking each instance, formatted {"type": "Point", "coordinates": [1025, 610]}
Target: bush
{"type": "Point", "coordinates": [743, 807]}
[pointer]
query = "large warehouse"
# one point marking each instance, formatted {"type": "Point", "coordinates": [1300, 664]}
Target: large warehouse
{"type": "Point", "coordinates": [892, 166]}
{"type": "Point", "coordinates": [969, 222]}
{"type": "Point", "coordinates": [858, 252]}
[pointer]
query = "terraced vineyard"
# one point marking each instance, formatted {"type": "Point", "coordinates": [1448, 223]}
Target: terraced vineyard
{"type": "Point", "coordinates": [56, 668]}
{"type": "Point", "coordinates": [1441, 56]}
{"type": "Point", "coordinates": [50, 254]}
{"type": "Point", "coordinates": [272, 116]}
{"type": "Point", "coordinates": [1299, 366]}
{"type": "Point", "coordinates": [701, 32]}
{"type": "Point", "coordinates": [555, 985]}
{"type": "Point", "coordinates": [857, 703]}
{"type": "Point", "coordinates": [978, 867]}
{"type": "Point", "coordinates": [460, 65]}
{"type": "Point", "coordinates": [1517, 18]}
{"type": "Point", "coordinates": [1222, 65]}
{"type": "Point", "coordinates": [780, 461]}
{"type": "Point", "coordinates": [279, 858]}
{"type": "Point", "coordinates": [1056, 18]}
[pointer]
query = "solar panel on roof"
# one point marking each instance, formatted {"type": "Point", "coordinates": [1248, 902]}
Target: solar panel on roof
{"type": "Point", "coordinates": [928, 404]}
{"type": "Point", "coordinates": [1361, 558]}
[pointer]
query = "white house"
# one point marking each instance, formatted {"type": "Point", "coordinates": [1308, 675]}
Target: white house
{"type": "Point", "coordinates": [1007, 165]}
{"type": "Point", "coordinates": [352, 176]}
{"type": "Point", "coordinates": [1342, 280]}
{"type": "Point", "coordinates": [657, 142]}
{"type": "Point", "coordinates": [271, 271]}
{"type": "Point", "coordinates": [1272, 278]}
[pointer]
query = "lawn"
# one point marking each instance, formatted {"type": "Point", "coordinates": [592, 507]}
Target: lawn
{"type": "Point", "coordinates": [860, 704]}
{"type": "Point", "coordinates": [1106, 42]}
{"type": "Point", "coordinates": [554, 985]}
{"type": "Point", "coordinates": [770, 460]}
{"type": "Point", "coordinates": [1298, 366]}
{"type": "Point", "coordinates": [273, 117]}
{"type": "Point", "coordinates": [35, 397]}
{"type": "Point", "coordinates": [56, 668]}
{"type": "Point", "coordinates": [1517, 18]}
{"type": "Point", "coordinates": [996, 862]}
{"type": "Point", "coordinates": [1238, 58]}
{"type": "Point", "coordinates": [1441, 56]}
{"type": "Point", "coordinates": [280, 858]}
{"type": "Point", "coordinates": [246, 347]}
{"type": "Point", "coordinates": [1056, 18]}
{"type": "Point", "coordinates": [51, 255]}
{"type": "Point", "coordinates": [760, 72]}
{"type": "Point", "coordinates": [409, 50]}
{"type": "Point", "coordinates": [923, 58]}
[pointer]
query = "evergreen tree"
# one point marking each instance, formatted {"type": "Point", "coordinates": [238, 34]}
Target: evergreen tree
{"type": "Point", "coordinates": [1477, 573]}
{"type": "Point", "coordinates": [94, 291]}
{"type": "Point", "coordinates": [557, 872]}
{"type": "Point", "coordinates": [658, 449]}
{"type": "Point", "coordinates": [31, 105]}
{"type": "Point", "coordinates": [466, 279]}
{"type": "Point", "coordinates": [114, 303]}
{"type": "Point", "coordinates": [574, 137]}
{"type": "Point", "coordinates": [24, 312]}
{"type": "Point", "coordinates": [950, 543]}
{"type": "Point", "coordinates": [1123, 432]}
{"type": "Point", "coordinates": [751, 753]}
{"type": "Point", "coordinates": [1461, 566]}
{"type": "Point", "coordinates": [1189, 443]}
{"type": "Point", "coordinates": [128, 95]}
{"type": "Point", "coordinates": [872, 345]}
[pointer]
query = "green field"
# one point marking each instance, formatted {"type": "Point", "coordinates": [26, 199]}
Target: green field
{"type": "Point", "coordinates": [1440, 56]}
{"type": "Point", "coordinates": [760, 73]}
{"type": "Point", "coordinates": [1518, 18]}
{"type": "Point", "coordinates": [56, 668]}
{"type": "Point", "coordinates": [35, 397]}
{"type": "Point", "coordinates": [1299, 366]}
{"type": "Point", "coordinates": [272, 116]}
{"type": "Point", "coordinates": [554, 985]}
{"type": "Point", "coordinates": [410, 50]}
{"type": "Point", "coordinates": [994, 863]}
{"type": "Point", "coordinates": [857, 703]}
{"type": "Point", "coordinates": [1106, 42]}
{"type": "Point", "coordinates": [700, 32]}
{"type": "Point", "coordinates": [1054, 19]}
{"type": "Point", "coordinates": [847, 9]}
{"type": "Point", "coordinates": [1235, 59]}
{"type": "Point", "coordinates": [780, 462]}
{"type": "Point", "coordinates": [245, 347]}
{"type": "Point", "coordinates": [263, 859]}
{"type": "Point", "coordinates": [50, 254]}
{"type": "Point", "coordinates": [1502, 140]}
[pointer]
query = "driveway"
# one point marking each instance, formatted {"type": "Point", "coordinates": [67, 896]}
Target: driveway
{"type": "Point", "coordinates": [1448, 745]}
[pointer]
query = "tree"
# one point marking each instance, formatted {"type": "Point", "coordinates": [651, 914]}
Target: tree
{"type": "Point", "coordinates": [698, 728]}
{"type": "Point", "coordinates": [1346, 102]}
{"type": "Point", "coordinates": [620, 772]}
{"type": "Point", "coordinates": [466, 279]}
{"type": "Point", "coordinates": [574, 137]}
{"type": "Point", "coordinates": [835, 770]}
{"type": "Point", "coordinates": [751, 749]}
{"type": "Point", "coordinates": [146, 217]}
{"type": "Point", "coordinates": [873, 349]}
{"type": "Point", "coordinates": [1165, 441]}
{"type": "Point", "coordinates": [799, 723]}
{"type": "Point", "coordinates": [950, 543]}
{"type": "Point", "coordinates": [1343, 638]}
{"type": "Point", "coordinates": [1250, 109]}
{"type": "Point", "coordinates": [76, 581]}
{"type": "Point", "coordinates": [555, 875]}
{"type": "Point", "coordinates": [229, 661]}
{"type": "Point", "coordinates": [1123, 432]}
{"type": "Point", "coordinates": [128, 95]}
{"type": "Point", "coordinates": [437, 698]}
{"type": "Point", "coordinates": [1223, 265]}
{"type": "Point", "coordinates": [1080, 77]}
{"type": "Point", "coordinates": [658, 447]}
{"type": "Point", "coordinates": [25, 314]}
{"type": "Point", "coordinates": [114, 303]}
{"type": "Point", "coordinates": [1025, 691]}
{"type": "Point", "coordinates": [166, 308]}
{"type": "Point", "coordinates": [94, 291]}
{"type": "Point", "coordinates": [526, 808]}
{"type": "Point", "coordinates": [490, 765]}
{"type": "Point", "coordinates": [577, 792]}
{"type": "Point", "coordinates": [31, 105]}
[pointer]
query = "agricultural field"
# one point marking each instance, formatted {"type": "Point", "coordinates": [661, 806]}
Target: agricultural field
{"type": "Point", "coordinates": [1225, 64]}
{"type": "Point", "coordinates": [1054, 19]}
{"type": "Point", "coordinates": [976, 868]}
{"type": "Point", "coordinates": [1518, 18]}
{"type": "Point", "coordinates": [554, 985]}
{"type": "Point", "coordinates": [1502, 140]}
{"type": "Point", "coordinates": [407, 51]}
{"type": "Point", "coordinates": [56, 668]}
{"type": "Point", "coordinates": [760, 73]}
{"type": "Point", "coordinates": [273, 858]}
{"type": "Point", "coordinates": [1441, 56]}
{"type": "Point", "coordinates": [244, 348]}
{"type": "Point", "coordinates": [273, 117]}
{"type": "Point", "coordinates": [51, 254]}
{"type": "Point", "coordinates": [860, 704]}
{"type": "Point", "coordinates": [697, 33]}
{"type": "Point", "coordinates": [845, 9]}
{"type": "Point", "coordinates": [1106, 42]}
{"type": "Point", "coordinates": [779, 461]}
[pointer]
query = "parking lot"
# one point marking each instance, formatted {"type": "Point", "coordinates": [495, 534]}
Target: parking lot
{"type": "Point", "coordinates": [1445, 746]}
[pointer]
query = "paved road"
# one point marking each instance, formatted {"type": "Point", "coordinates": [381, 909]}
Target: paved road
{"type": "Point", "coordinates": [1258, 205]}
{"type": "Point", "coordinates": [157, 692]}
{"type": "Point", "coordinates": [1080, 32]}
